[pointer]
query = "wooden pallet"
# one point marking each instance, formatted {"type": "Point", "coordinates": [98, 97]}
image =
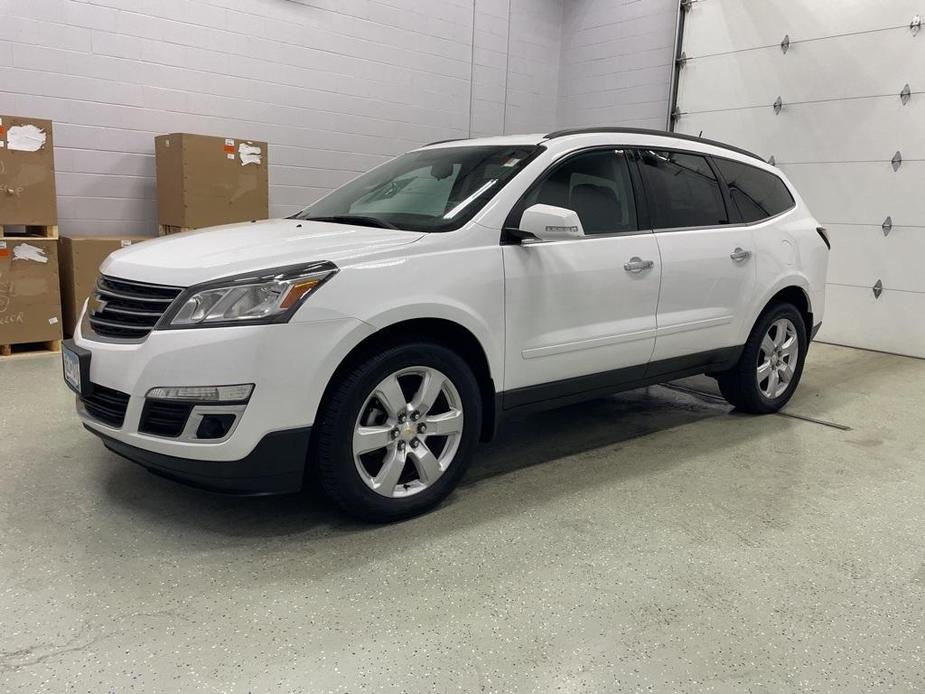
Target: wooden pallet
{"type": "Point", "coordinates": [167, 229]}
{"type": "Point", "coordinates": [49, 347]}
{"type": "Point", "coordinates": [22, 231]}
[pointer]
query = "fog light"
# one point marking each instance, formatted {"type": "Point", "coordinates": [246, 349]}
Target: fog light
{"type": "Point", "coordinates": [237, 393]}
{"type": "Point", "coordinates": [215, 426]}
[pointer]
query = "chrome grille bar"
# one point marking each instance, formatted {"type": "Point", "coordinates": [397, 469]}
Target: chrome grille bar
{"type": "Point", "coordinates": [123, 309]}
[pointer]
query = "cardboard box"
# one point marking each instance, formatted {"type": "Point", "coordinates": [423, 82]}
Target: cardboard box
{"type": "Point", "coordinates": [79, 264]}
{"type": "Point", "coordinates": [204, 181]}
{"type": "Point", "coordinates": [30, 303]}
{"type": "Point", "coordinates": [27, 172]}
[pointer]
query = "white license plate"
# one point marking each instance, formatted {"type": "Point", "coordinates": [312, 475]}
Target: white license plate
{"type": "Point", "coordinates": [71, 368]}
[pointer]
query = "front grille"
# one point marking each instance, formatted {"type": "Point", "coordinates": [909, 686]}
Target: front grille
{"type": "Point", "coordinates": [128, 310]}
{"type": "Point", "coordinates": [164, 418]}
{"type": "Point", "coordinates": [106, 405]}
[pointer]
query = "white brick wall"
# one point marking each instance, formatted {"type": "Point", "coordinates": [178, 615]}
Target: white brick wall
{"type": "Point", "coordinates": [617, 58]}
{"type": "Point", "coordinates": [335, 86]}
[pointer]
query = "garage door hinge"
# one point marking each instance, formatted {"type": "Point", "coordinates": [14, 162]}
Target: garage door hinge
{"type": "Point", "coordinates": [878, 289]}
{"type": "Point", "coordinates": [897, 161]}
{"type": "Point", "coordinates": [778, 105]}
{"type": "Point", "coordinates": [887, 226]}
{"type": "Point", "coordinates": [905, 94]}
{"type": "Point", "coordinates": [785, 44]}
{"type": "Point", "coordinates": [675, 114]}
{"type": "Point", "coordinates": [681, 60]}
{"type": "Point", "coordinates": [686, 5]}
{"type": "Point", "coordinates": [915, 25]}
{"type": "Point", "coordinates": [772, 161]}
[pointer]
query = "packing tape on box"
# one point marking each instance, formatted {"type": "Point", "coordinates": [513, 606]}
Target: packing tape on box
{"type": "Point", "coordinates": [250, 154]}
{"type": "Point", "coordinates": [25, 138]}
{"type": "Point", "coordinates": [25, 251]}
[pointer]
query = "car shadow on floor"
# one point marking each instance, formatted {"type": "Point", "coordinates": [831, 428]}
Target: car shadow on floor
{"type": "Point", "coordinates": [523, 442]}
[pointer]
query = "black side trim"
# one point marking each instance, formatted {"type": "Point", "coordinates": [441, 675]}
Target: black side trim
{"type": "Point", "coordinates": [275, 466]}
{"type": "Point", "coordinates": [649, 131]}
{"type": "Point", "coordinates": [572, 390]}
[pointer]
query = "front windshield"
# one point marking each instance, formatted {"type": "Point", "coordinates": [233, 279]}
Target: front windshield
{"type": "Point", "coordinates": [427, 190]}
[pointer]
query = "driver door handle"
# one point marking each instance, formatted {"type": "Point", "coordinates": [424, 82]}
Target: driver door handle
{"type": "Point", "coordinates": [740, 254]}
{"type": "Point", "coordinates": [637, 264]}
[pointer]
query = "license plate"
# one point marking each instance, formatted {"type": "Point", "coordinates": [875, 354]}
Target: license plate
{"type": "Point", "coordinates": [76, 365]}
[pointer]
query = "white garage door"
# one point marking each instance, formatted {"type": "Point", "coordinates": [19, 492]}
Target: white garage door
{"type": "Point", "coordinates": [839, 76]}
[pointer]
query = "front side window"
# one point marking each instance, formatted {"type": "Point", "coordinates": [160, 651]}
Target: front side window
{"type": "Point", "coordinates": [682, 190]}
{"type": "Point", "coordinates": [597, 186]}
{"type": "Point", "coordinates": [757, 194]}
{"type": "Point", "coordinates": [428, 190]}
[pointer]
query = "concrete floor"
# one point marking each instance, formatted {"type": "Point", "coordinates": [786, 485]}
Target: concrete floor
{"type": "Point", "coordinates": [650, 541]}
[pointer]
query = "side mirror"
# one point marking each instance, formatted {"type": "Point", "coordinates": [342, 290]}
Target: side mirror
{"type": "Point", "coordinates": [549, 223]}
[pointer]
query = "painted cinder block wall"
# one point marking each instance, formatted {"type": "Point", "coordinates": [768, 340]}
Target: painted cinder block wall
{"type": "Point", "coordinates": [335, 86]}
{"type": "Point", "coordinates": [616, 62]}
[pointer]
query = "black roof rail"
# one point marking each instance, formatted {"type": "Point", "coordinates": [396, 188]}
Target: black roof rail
{"type": "Point", "coordinates": [452, 139]}
{"type": "Point", "coordinates": [649, 131]}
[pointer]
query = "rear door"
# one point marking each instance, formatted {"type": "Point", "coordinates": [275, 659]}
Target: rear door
{"type": "Point", "coordinates": [575, 317]}
{"type": "Point", "coordinates": [708, 261]}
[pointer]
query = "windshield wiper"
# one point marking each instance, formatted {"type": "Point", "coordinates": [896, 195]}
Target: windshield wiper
{"type": "Point", "coordinates": [354, 219]}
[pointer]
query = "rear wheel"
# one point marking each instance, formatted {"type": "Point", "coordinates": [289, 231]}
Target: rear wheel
{"type": "Point", "coordinates": [397, 433]}
{"type": "Point", "coordinates": [771, 364]}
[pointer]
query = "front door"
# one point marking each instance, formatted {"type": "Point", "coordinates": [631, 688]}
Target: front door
{"type": "Point", "coordinates": [580, 313]}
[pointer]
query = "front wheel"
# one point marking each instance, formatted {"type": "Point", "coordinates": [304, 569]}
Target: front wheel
{"type": "Point", "coordinates": [397, 432]}
{"type": "Point", "coordinates": [771, 364]}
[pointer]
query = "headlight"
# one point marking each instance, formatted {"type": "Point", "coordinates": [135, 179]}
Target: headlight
{"type": "Point", "coordinates": [268, 297]}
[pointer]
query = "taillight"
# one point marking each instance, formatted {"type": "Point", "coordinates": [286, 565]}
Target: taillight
{"type": "Point", "coordinates": [825, 237]}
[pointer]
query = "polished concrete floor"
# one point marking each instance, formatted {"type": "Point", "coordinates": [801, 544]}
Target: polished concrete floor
{"type": "Point", "coordinates": [652, 541]}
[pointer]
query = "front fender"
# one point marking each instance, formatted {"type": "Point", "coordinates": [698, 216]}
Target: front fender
{"type": "Point", "coordinates": [454, 312]}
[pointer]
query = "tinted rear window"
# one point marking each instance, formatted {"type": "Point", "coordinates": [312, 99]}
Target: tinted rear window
{"type": "Point", "coordinates": [757, 194]}
{"type": "Point", "coordinates": [682, 190]}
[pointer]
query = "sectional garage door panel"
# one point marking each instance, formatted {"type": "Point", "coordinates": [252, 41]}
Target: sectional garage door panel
{"type": "Point", "coordinates": [811, 71]}
{"type": "Point", "coordinates": [841, 121]}
{"type": "Point", "coordinates": [833, 131]}
{"type": "Point", "coordinates": [894, 320]}
{"type": "Point", "coordinates": [722, 26]}
{"type": "Point", "coordinates": [862, 193]}
{"type": "Point", "coordinates": [862, 255]}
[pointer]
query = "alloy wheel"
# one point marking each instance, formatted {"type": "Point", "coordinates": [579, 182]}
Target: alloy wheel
{"type": "Point", "coordinates": [777, 358]}
{"type": "Point", "coordinates": [408, 431]}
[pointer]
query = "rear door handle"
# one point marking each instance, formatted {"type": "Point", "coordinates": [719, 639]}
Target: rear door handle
{"type": "Point", "coordinates": [637, 264]}
{"type": "Point", "coordinates": [740, 254]}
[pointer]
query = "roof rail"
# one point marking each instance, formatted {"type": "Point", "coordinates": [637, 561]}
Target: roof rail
{"type": "Point", "coordinates": [452, 139]}
{"type": "Point", "coordinates": [648, 131]}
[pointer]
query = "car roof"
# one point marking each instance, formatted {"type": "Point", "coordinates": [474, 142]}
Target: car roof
{"type": "Point", "coordinates": [539, 138]}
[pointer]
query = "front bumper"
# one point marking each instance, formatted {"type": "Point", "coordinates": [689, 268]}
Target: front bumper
{"type": "Point", "coordinates": [275, 466]}
{"type": "Point", "coordinates": [289, 364]}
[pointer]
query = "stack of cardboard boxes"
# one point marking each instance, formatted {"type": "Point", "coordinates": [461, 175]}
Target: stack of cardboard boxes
{"type": "Point", "coordinates": [201, 181]}
{"type": "Point", "coordinates": [205, 181]}
{"type": "Point", "coordinates": [30, 304]}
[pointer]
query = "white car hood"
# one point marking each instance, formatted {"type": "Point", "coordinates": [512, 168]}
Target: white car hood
{"type": "Point", "coordinates": [191, 257]}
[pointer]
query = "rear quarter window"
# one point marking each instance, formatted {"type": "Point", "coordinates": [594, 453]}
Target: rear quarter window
{"type": "Point", "coordinates": [756, 193]}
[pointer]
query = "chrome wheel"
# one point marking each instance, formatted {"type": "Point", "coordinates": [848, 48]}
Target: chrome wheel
{"type": "Point", "coordinates": [408, 432]}
{"type": "Point", "coordinates": [777, 358]}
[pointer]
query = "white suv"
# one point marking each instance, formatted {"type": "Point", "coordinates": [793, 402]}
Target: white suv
{"type": "Point", "coordinates": [370, 341]}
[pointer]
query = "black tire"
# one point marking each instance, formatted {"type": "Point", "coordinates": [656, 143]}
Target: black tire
{"type": "Point", "coordinates": [336, 421]}
{"type": "Point", "coordinates": [740, 386]}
